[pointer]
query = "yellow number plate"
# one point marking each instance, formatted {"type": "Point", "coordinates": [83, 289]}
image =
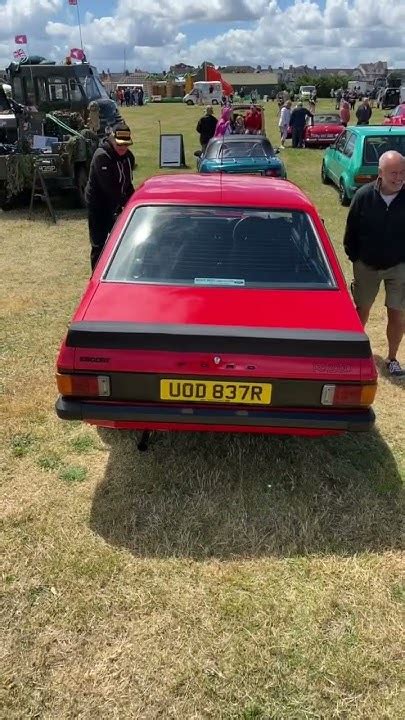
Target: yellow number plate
{"type": "Point", "coordinates": [212, 391]}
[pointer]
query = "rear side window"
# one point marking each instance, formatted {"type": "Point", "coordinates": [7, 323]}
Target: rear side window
{"type": "Point", "coordinates": [228, 247]}
{"type": "Point", "coordinates": [341, 142]}
{"type": "Point", "coordinates": [349, 148]}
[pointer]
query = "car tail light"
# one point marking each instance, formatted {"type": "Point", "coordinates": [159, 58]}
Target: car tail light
{"type": "Point", "coordinates": [338, 395]}
{"type": "Point", "coordinates": [272, 173]}
{"type": "Point", "coordinates": [83, 385]}
{"type": "Point", "coordinates": [362, 179]}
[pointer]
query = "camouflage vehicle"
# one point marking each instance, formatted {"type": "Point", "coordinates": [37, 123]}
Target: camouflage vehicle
{"type": "Point", "coordinates": [49, 87]}
{"type": "Point", "coordinates": [51, 104]}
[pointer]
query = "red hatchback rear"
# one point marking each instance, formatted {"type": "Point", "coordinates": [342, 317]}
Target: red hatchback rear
{"type": "Point", "coordinates": [396, 116]}
{"type": "Point", "coordinates": [218, 304]}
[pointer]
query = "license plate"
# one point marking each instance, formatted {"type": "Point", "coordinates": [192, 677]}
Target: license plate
{"type": "Point", "coordinates": [239, 393]}
{"type": "Point", "coordinates": [47, 168]}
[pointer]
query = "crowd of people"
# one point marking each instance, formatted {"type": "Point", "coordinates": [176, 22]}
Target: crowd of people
{"type": "Point", "coordinates": [130, 96]}
{"type": "Point", "coordinates": [231, 122]}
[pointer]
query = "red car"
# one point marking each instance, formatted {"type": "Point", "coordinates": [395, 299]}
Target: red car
{"type": "Point", "coordinates": [218, 304]}
{"type": "Point", "coordinates": [396, 116]}
{"type": "Point", "coordinates": [323, 130]}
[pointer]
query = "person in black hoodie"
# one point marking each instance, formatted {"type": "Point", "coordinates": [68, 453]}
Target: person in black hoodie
{"type": "Point", "coordinates": [374, 242]}
{"type": "Point", "coordinates": [206, 126]}
{"type": "Point", "coordinates": [109, 186]}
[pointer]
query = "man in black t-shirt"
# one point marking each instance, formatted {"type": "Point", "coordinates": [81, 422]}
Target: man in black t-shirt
{"type": "Point", "coordinates": [374, 242]}
{"type": "Point", "coordinates": [206, 127]}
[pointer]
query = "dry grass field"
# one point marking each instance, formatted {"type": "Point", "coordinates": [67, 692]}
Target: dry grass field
{"type": "Point", "coordinates": [214, 577]}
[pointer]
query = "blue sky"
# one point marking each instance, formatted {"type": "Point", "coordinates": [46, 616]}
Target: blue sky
{"type": "Point", "coordinates": [158, 33]}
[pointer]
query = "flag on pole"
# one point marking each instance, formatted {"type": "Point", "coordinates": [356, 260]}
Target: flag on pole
{"type": "Point", "coordinates": [72, 2]}
{"type": "Point", "coordinates": [77, 54]}
{"type": "Point", "coordinates": [20, 39]}
{"type": "Point", "coordinates": [212, 74]}
{"type": "Point", "coordinates": [19, 54]}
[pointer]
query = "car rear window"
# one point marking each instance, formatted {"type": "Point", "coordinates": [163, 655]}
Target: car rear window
{"type": "Point", "coordinates": [321, 119]}
{"type": "Point", "coordinates": [227, 247]}
{"type": "Point", "coordinates": [376, 145]}
{"type": "Point", "coordinates": [240, 149]}
{"type": "Point", "coordinates": [245, 149]}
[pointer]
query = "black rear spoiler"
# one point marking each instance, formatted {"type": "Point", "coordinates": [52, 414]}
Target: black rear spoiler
{"type": "Point", "coordinates": [218, 339]}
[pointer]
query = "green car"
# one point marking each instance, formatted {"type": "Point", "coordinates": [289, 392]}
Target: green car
{"type": "Point", "coordinates": [352, 160]}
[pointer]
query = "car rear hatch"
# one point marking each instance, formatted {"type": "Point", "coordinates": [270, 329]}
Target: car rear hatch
{"type": "Point", "coordinates": [129, 335]}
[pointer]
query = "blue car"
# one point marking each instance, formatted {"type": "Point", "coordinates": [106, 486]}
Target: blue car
{"type": "Point", "coordinates": [247, 154]}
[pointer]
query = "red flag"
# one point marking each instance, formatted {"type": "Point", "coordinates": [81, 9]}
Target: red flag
{"type": "Point", "coordinates": [20, 39]}
{"type": "Point", "coordinates": [77, 54]}
{"type": "Point", "coordinates": [72, 2]}
{"type": "Point", "coordinates": [213, 74]}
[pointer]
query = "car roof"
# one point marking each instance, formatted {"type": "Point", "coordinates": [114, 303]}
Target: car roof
{"type": "Point", "coordinates": [371, 130]}
{"type": "Point", "coordinates": [220, 189]}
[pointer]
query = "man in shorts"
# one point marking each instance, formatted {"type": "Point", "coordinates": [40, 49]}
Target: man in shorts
{"type": "Point", "coordinates": [375, 243]}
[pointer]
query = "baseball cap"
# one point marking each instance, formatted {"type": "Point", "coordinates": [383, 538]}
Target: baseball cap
{"type": "Point", "coordinates": [122, 134]}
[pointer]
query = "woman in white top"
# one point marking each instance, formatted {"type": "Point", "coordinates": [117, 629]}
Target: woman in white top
{"type": "Point", "coordinates": [284, 121]}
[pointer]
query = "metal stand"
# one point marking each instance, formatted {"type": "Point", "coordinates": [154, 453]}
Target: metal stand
{"type": "Point", "coordinates": [43, 193]}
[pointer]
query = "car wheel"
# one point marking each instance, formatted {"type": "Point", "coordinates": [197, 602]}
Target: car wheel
{"type": "Point", "coordinates": [215, 102]}
{"type": "Point", "coordinates": [189, 102]}
{"type": "Point", "coordinates": [344, 199]}
{"type": "Point", "coordinates": [324, 176]}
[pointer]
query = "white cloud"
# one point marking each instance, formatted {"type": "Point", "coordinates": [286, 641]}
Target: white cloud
{"type": "Point", "coordinates": [154, 35]}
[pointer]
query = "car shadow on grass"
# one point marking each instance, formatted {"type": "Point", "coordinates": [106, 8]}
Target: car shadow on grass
{"type": "Point", "coordinates": [225, 496]}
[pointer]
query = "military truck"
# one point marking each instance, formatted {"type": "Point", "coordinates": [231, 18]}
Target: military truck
{"type": "Point", "coordinates": [51, 104]}
{"type": "Point", "coordinates": [49, 87]}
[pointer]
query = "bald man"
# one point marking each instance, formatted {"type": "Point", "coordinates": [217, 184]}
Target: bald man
{"type": "Point", "coordinates": [375, 243]}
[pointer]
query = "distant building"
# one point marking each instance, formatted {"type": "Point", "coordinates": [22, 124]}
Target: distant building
{"type": "Point", "coordinates": [370, 72]}
{"type": "Point", "coordinates": [236, 69]}
{"type": "Point", "coordinates": [264, 82]}
{"type": "Point", "coordinates": [181, 69]}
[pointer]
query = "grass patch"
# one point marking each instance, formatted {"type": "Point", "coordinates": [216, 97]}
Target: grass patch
{"type": "Point", "coordinates": [51, 461]}
{"type": "Point", "coordinates": [22, 444]}
{"type": "Point", "coordinates": [73, 474]}
{"type": "Point", "coordinates": [213, 577]}
{"type": "Point", "coordinates": [83, 443]}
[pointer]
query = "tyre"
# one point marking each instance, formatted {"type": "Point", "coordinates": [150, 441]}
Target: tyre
{"type": "Point", "coordinates": [189, 102]}
{"type": "Point", "coordinates": [343, 197]}
{"type": "Point", "coordinates": [81, 178]}
{"type": "Point", "coordinates": [215, 102]}
{"type": "Point", "coordinates": [324, 176]}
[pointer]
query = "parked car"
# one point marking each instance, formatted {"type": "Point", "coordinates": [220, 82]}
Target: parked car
{"type": "Point", "coordinates": [352, 161]}
{"type": "Point", "coordinates": [322, 130]}
{"type": "Point", "coordinates": [251, 154]}
{"type": "Point", "coordinates": [396, 116]}
{"type": "Point", "coordinates": [218, 304]}
{"type": "Point", "coordinates": [388, 97]}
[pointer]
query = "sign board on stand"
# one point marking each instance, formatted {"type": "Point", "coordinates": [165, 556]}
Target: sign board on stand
{"type": "Point", "coordinates": [171, 152]}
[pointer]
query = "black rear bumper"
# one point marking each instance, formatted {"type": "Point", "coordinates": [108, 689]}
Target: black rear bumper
{"type": "Point", "coordinates": [343, 421]}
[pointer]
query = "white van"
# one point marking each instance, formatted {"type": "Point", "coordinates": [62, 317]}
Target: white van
{"type": "Point", "coordinates": [204, 93]}
{"type": "Point", "coordinates": [306, 91]}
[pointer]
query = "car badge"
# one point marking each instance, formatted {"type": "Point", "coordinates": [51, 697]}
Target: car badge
{"type": "Point", "coordinates": [217, 360]}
